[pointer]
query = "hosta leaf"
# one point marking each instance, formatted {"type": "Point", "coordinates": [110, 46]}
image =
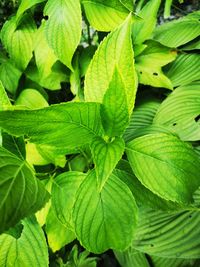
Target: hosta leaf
{"type": "Point", "coordinates": [152, 74]}
{"type": "Point", "coordinates": [165, 165]}
{"type": "Point", "coordinates": [178, 32]}
{"type": "Point", "coordinates": [25, 5]}
{"type": "Point", "coordinates": [64, 190]}
{"type": "Point", "coordinates": [9, 75]}
{"type": "Point", "coordinates": [106, 156]}
{"type": "Point", "coordinates": [105, 15]}
{"type": "Point", "coordinates": [131, 257]}
{"type": "Point", "coordinates": [173, 262]}
{"type": "Point", "coordinates": [64, 126]}
{"type": "Point", "coordinates": [142, 116]}
{"type": "Point", "coordinates": [174, 235]}
{"type": "Point", "coordinates": [115, 50]}
{"type": "Point", "coordinates": [114, 111]}
{"type": "Point", "coordinates": [29, 250]}
{"type": "Point", "coordinates": [192, 45]}
{"type": "Point", "coordinates": [184, 70]}
{"type": "Point", "coordinates": [143, 28]}
{"type": "Point", "coordinates": [58, 235]}
{"type": "Point", "coordinates": [20, 192]}
{"type": "Point", "coordinates": [17, 39]}
{"type": "Point", "coordinates": [180, 112]}
{"type": "Point", "coordinates": [63, 28]}
{"type": "Point", "coordinates": [107, 219]}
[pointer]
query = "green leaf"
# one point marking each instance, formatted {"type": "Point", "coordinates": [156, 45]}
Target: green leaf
{"type": "Point", "coordinates": [152, 74]}
{"type": "Point", "coordinates": [143, 28]}
{"type": "Point", "coordinates": [115, 50]}
{"type": "Point", "coordinates": [4, 100]}
{"type": "Point", "coordinates": [29, 250]}
{"type": "Point", "coordinates": [58, 235]}
{"type": "Point", "coordinates": [64, 190]}
{"type": "Point", "coordinates": [21, 194]}
{"type": "Point", "coordinates": [131, 258]}
{"type": "Point", "coordinates": [180, 112]}
{"type": "Point", "coordinates": [143, 196]}
{"type": "Point", "coordinates": [105, 15]}
{"type": "Point", "coordinates": [129, 4]}
{"type": "Point", "coordinates": [46, 74]}
{"type": "Point", "coordinates": [177, 32]}
{"type": "Point", "coordinates": [106, 156]}
{"type": "Point", "coordinates": [63, 28]}
{"type": "Point", "coordinates": [17, 39]}
{"type": "Point", "coordinates": [165, 165]}
{"type": "Point", "coordinates": [64, 126]}
{"type": "Point", "coordinates": [107, 219]}
{"type": "Point", "coordinates": [25, 5]}
{"type": "Point", "coordinates": [10, 75]}
{"type": "Point", "coordinates": [142, 116]}
{"type": "Point", "coordinates": [15, 145]}
{"type": "Point", "coordinates": [31, 99]}
{"type": "Point", "coordinates": [184, 70]}
{"type": "Point", "coordinates": [114, 110]}
{"type": "Point", "coordinates": [174, 235]}
{"type": "Point", "coordinates": [173, 262]}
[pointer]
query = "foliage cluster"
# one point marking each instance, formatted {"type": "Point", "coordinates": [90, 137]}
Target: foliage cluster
{"type": "Point", "coordinates": [100, 130]}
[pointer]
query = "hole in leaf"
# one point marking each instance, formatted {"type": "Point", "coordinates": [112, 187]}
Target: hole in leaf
{"type": "Point", "coordinates": [197, 118]}
{"type": "Point", "coordinates": [46, 17]}
{"type": "Point", "coordinates": [140, 72]}
{"type": "Point", "coordinates": [190, 216]}
{"type": "Point", "coordinates": [155, 74]}
{"type": "Point", "coordinates": [174, 124]}
{"type": "Point", "coordinates": [152, 245]}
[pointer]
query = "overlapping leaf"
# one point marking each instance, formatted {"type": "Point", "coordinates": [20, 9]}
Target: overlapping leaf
{"type": "Point", "coordinates": [106, 156]}
{"type": "Point", "coordinates": [107, 219]}
{"type": "Point", "coordinates": [63, 28]}
{"type": "Point", "coordinates": [29, 250]}
{"type": "Point", "coordinates": [180, 112]}
{"type": "Point", "coordinates": [105, 15]}
{"type": "Point", "coordinates": [20, 192]}
{"type": "Point", "coordinates": [165, 165]}
{"type": "Point", "coordinates": [64, 126]}
{"type": "Point", "coordinates": [115, 50]}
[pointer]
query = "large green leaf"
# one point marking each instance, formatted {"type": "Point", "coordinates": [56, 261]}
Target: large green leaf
{"type": "Point", "coordinates": [114, 110]}
{"type": "Point", "coordinates": [131, 258]}
{"type": "Point", "coordinates": [165, 165]}
{"type": "Point", "coordinates": [21, 194]}
{"type": "Point", "coordinates": [180, 112]}
{"type": "Point", "coordinates": [29, 250]}
{"type": "Point", "coordinates": [106, 155]}
{"type": "Point", "coordinates": [105, 15]}
{"type": "Point", "coordinates": [152, 74]}
{"type": "Point", "coordinates": [64, 190]}
{"type": "Point", "coordinates": [184, 70]}
{"type": "Point", "coordinates": [177, 32]}
{"type": "Point", "coordinates": [64, 126]}
{"type": "Point", "coordinates": [17, 39]}
{"type": "Point", "coordinates": [143, 28]}
{"type": "Point", "coordinates": [107, 219]}
{"type": "Point", "coordinates": [129, 4]}
{"type": "Point", "coordinates": [115, 50]}
{"type": "Point", "coordinates": [4, 100]}
{"type": "Point", "coordinates": [63, 28]}
{"type": "Point", "coordinates": [174, 235]}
